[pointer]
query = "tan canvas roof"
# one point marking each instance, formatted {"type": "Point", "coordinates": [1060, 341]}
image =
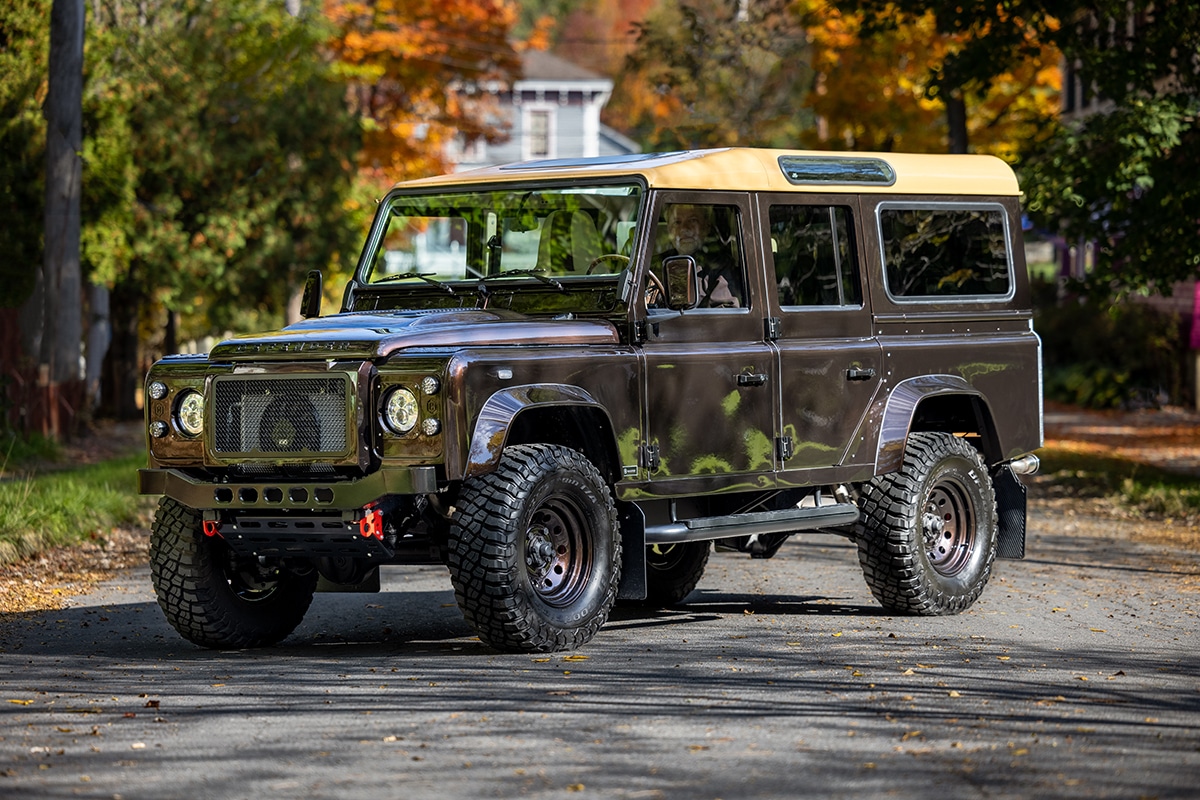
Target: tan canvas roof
{"type": "Point", "coordinates": [750, 169]}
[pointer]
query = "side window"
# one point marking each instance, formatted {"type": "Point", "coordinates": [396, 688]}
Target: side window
{"type": "Point", "coordinates": [813, 254]}
{"type": "Point", "coordinates": [935, 252]}
{"type": "Point", "coordinates": [712, 235]}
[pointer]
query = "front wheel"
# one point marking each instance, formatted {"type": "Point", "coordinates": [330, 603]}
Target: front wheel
{"type": "Point", "coordinates": [927, 533]}
{"type": "Point", "coordinates": [535, 550]}
{"type": "Point", "coordinates": [214, 598]}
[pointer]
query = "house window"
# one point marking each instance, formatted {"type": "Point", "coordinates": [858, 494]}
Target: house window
{"type": "Point", "coordinates": [538, 134]}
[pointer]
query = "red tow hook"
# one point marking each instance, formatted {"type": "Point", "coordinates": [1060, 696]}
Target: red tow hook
{"type": "Point", "coordinates": [212, 527]}
{"type": "Point", "coordinates": [371, 524]}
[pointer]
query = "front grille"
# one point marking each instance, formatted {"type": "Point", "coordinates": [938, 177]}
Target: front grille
{"type": "Point", "coordinates": [281, 416]}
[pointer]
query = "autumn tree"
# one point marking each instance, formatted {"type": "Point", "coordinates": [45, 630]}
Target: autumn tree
{"type": "Point", "coordinates": [417, 72]}
{"type": "Point", "coordinates": [981, 42]}
{"type": "Point", "coordinates": [712, 75]}
{"type": "Point", "coordinates": [876, 87]}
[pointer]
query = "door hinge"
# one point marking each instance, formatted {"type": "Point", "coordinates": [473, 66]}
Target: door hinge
{"type": "Point", "coordinates": [783, 447]}
{"type": "Point", "coordinates": [649, 457]}
{"type": "Point", "coordinates": [773, 325]}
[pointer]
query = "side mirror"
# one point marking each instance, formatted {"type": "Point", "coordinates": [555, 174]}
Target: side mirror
{"type": "Point", "coordinates": [310, 301]}
{"type": "Point", "coordinates": [679, 272]}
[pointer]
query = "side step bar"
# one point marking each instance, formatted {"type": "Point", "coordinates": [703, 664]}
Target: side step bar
{"type": "Point", "coordinates": [760, 522]}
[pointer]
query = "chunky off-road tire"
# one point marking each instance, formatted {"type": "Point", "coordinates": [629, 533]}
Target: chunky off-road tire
{"type": "Point", "coordinates": [672, 572]}
{"type": "Point", "coordinates": [535, 550]}
{"type": "Point", "coordinates": [212, 598]}
{"type": "Point", "coordinates": [927, 534]}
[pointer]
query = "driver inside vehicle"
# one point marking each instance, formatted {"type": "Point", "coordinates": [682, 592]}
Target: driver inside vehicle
{"type": "Point", "coordinates": [692, 232]}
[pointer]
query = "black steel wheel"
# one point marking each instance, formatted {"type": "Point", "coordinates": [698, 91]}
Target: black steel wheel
{"type": "Point", "coordinates": [927, 534]}
{"type": "Point", "coordinates": [673, 571]}
{"type": "Point", "coordinates": [214, 598]}
{"type": "Point", "coordinates": [535, 550]}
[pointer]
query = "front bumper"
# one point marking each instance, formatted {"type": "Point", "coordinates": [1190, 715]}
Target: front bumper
{"type": "Point", "coordinates": [310, 495]}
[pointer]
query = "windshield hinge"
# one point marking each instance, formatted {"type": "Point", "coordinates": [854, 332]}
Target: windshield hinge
{"type": "Point", "coordinates": [783, 448]}
{"type": "Point", "coordinates": [773, 325]}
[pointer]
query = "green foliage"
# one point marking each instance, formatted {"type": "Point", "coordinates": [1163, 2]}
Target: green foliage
{"type": "Point", "coordinates": [24, 65]}
{"type": "Point", "coordinates": [56, 508]}
{"type": "Point", "coordinates": [1134, 486]}
{"type": "Point", "coordinates": [1128, 180]}
{"type": "Point", "coordinates": [17, 449]}
{"type": "Point", "coordinates": [1100, 355]}
{"type": "Point", "coordinates": [219, 154]}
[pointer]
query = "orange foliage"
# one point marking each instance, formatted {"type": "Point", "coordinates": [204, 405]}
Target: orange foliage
{"type": "Point", "coordinates": [872, 95]}
{"type": "Point", "coordinates": [415, 70]}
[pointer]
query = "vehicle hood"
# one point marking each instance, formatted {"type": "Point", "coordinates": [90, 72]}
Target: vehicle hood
{"type": "Point", "coordinates": [379, 334]}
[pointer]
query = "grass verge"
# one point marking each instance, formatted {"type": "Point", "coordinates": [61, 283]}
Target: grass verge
{"type": "Point", "coordinates": [1137, 487]}
{"type": "Point", "coordinates": [44, 510]}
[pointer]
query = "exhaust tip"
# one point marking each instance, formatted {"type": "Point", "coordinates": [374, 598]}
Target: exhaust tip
{"type": "Point", "coordinates": [1025, 465]}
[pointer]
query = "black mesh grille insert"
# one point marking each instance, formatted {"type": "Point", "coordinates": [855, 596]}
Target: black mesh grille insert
{"type": "Point", "coordinates": [280, 416]}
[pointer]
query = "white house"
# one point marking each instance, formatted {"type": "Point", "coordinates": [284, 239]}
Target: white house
{"type": "Point", "coordinates": [552, 112]}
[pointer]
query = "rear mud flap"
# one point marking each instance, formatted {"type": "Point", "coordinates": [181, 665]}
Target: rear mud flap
{"type": "Point", "coordinates": [1010, 505]}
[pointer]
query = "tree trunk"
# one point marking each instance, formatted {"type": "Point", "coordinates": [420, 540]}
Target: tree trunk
{"type": "Point", "coordinates": [122, 373]}
{"type": "Point", "coordinates": [99, 336]}
{"type": "Point", "coordinates": [52, 319]}
{"type": "Point", "coordinates": [956, 121]}
{"type": "Point", "coordinates": [62, 286]}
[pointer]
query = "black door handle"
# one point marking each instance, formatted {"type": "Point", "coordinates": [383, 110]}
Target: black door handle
{"type": "Point", "coordinates": [859, 374]}
{"type": "Point", "coordinates": [751, 379]}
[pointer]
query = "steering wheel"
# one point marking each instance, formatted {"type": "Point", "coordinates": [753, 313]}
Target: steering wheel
{"type": "Point", "coordinates": [655, 291]}
{"type": "Point", "coordinates": [598, 260]}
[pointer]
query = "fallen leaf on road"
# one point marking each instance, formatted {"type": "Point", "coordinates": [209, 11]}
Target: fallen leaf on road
{"type": "Point", "coordinates": [22, 702]}
{"type": "Point", "coordinates": [575, 658]}
{"type": "Point", "coordinates": [953, 693]}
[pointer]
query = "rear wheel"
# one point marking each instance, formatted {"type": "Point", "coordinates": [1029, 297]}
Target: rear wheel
{"type": "Point", "coordinates": [673, 571]}
{"type": "Point", "coordinates": [213, 597]}
{"type": "Point", "coordinates": [927, 534]}
{"type": "Point", "coordinates": [535, 550]}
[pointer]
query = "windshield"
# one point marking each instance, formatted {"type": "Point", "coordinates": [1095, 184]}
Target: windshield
{"type": "Point", "coordinates": [547, 236]}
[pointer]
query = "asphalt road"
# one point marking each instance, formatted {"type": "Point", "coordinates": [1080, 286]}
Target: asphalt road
{"type": "Point", "coordinates": [1076, 675]}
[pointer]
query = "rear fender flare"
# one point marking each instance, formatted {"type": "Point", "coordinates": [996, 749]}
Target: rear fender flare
{"type": "Point", "coordinates": [901, 407]}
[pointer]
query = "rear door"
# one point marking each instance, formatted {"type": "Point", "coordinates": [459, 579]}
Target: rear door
{"type": "Point", "coordinates": [829, 361]}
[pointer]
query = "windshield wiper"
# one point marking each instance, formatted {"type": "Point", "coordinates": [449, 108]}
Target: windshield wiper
{"type": "Point", "coordinates": [422, 276]}
{"type": "Point", "coordinates": [540, 274]}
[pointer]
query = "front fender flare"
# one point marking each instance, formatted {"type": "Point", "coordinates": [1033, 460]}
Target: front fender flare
{"type": "Point", "coordinates": [496, 417]}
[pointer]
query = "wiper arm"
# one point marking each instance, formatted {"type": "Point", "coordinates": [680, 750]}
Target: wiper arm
{"type": "Point", "coordinates": [540, 274]}
{"type": "Point", "coordinates": [422, 276]}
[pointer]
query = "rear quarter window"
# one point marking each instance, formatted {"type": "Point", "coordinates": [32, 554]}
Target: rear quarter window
{"type": "Point", "coordinates": [936, 251]}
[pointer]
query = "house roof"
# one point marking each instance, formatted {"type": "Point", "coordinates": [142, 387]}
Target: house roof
{"type": "Point", "coordinates": [539, 65]}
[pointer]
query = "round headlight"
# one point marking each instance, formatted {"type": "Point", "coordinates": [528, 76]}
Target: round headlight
{"type": "Point", "coordinates": [400, 410]}
{"type": "Point", "coordinates": [189, 413]}
{"type": "Point", "coordinates": [157, 390]}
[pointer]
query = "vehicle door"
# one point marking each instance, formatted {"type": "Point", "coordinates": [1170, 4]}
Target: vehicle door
{"type": "Point", "coordinates": [708, 371]}
{"type": "Point", "coordinates": [829, 361]}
